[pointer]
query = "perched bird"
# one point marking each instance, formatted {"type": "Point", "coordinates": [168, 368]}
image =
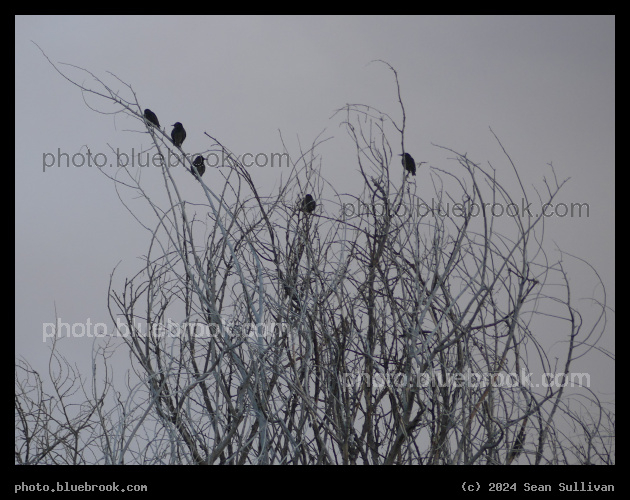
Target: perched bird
{"type": "Point", "coordinates": [308, 203]}
{"type": "Point", "coordinates": [150, 116]}
{"type": "Point", "coordinates": [178, 134]}
{"type": "Point", "coordinates": [199, 165]}
{"type": "Point", "coordinates": [409, 163]}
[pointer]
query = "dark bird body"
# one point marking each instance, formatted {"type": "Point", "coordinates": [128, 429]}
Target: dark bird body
{"type": "Point", "coordinates": [409, 163]}
{"type": "Point", "coordinates": [308, 203]}
{"type": "Point", "coordinates": [199, 165]}
{"type": "Point", "coordinates": [150, 116]}
{"type": "Point", "coordinates": [178, 134]}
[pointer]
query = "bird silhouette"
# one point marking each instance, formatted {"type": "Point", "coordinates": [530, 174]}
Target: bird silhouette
{"type": "Point", "coordinates": [199, 165]}
{"type": "Point", "coordinates": [150, 116]}
{"type": "Point", "coordinates": [409, 163]}
{"type": "Point", "coordinates": [308, 203]}
{"type": "Point", "coordinates": [178, 134]}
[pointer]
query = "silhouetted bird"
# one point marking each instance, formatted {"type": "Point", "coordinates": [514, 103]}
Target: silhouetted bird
{"type": "Point", "coordinates": [150, 116]}
{"type": "Point", "coordinates": [409, 163]}
{"type": "Point", "coordinates": [308, 203]}
{"type": "Point", "coordinates": [178, 134]}
{"type": "Point", "coordinates": [199, 164]}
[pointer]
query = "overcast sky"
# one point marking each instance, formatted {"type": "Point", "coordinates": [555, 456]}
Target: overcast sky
{"type": "Point", "coordinates": [545, 85]}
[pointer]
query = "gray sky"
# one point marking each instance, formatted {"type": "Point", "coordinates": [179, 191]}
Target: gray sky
{"type": "Point", "coordinates": [544, 84]}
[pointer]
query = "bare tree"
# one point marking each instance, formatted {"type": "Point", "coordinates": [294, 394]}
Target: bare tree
{"type": "Point", "coordinates": [380, 328]}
